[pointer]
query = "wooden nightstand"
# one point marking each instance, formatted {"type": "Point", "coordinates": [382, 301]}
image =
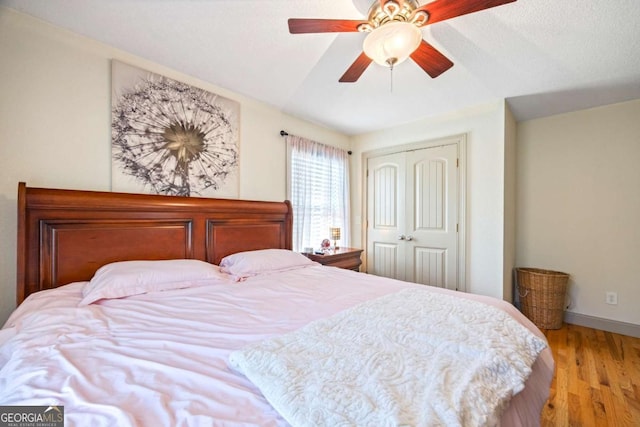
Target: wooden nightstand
{"type": "Point", "coordinates": [347, 258]}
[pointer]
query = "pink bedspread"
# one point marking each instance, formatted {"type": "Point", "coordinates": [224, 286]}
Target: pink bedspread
{"type": "Point", "coordinates": [161, 359]}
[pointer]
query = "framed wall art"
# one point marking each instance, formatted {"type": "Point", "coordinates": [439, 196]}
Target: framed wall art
{"type": "Point", "coordinates": [168, 137]}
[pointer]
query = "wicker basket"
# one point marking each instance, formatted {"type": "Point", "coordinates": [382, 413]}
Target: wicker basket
{"type": "Point", "coordinates": [542, 296]}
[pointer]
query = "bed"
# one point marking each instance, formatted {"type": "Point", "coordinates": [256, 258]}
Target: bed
{"type": "Point", "coordinates": [155, 310]}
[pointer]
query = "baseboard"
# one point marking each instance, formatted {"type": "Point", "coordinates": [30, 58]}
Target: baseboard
{"type": "Point", "coordinates": [608, 325]}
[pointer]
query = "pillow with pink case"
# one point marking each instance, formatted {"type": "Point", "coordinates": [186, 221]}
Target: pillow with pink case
{"type": "Point", "coordinates": [252, 263]}
{"type": "Point", "coordinates": [127, 278]}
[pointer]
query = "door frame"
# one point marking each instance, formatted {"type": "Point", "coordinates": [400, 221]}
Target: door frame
{"type": "Point", "coordinates": [460, 141]}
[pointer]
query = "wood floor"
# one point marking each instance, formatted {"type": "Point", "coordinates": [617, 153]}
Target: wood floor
{"type": "Point", "coordinates": [597, 380]}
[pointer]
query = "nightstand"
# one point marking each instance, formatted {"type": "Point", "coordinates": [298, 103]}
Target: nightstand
{"type": "Point", "coordinates": [347, 258]}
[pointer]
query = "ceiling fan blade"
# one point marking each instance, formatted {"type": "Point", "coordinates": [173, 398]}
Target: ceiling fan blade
{"type": "Point", "coordinates": [431, 60]}
{"type": "Point", "coordinates": [356, 69]}
{"type": "Point", "coordinates": [303, 26]}
{"type": "Point", "coordinates": [440, 10]}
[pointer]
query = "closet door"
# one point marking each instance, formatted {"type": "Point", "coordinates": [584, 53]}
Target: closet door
{"type": "Point", "coordinates": [431, 238]}
{"type": "Point", "coordinates": [412, 216]}
{"type": "Point", "coordinates": [386, 217]}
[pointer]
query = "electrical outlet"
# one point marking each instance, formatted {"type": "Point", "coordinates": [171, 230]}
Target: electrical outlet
{"type": "Point", "coordinates": [612, 298]}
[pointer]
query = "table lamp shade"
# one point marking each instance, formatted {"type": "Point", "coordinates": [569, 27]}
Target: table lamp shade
{"type": "Point", "coordinates": [335, 235]}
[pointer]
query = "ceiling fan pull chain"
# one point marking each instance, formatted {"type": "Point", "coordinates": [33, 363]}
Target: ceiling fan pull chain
{"type": "Point", "coordinates": [391, 62]}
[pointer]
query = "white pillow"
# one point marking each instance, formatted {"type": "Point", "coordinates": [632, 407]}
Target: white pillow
{"type": "Point", "coordinates": [126, 278]}
{"type": "Point", "coordinates": [252, 263]}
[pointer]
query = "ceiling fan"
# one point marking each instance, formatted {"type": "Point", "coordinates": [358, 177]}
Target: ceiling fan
{"type": "Point", "coordinates": [394, 32]}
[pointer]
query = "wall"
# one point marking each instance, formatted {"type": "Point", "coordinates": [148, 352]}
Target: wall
{"type": "Point", "coordinates": [485, 129]}
{"type": "Point", "coordinates": [55, 124]}
{"type": "Point", "coordinates": [578, 186]}
{"type": "Point", "coordinates": [509, 230]}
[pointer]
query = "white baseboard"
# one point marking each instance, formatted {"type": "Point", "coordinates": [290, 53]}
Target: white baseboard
{"type": "Point", "coordinates": [608, 325]}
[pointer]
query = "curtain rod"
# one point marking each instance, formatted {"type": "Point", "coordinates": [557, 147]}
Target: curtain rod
{"type": "Point", "coordinates": [285, 133]}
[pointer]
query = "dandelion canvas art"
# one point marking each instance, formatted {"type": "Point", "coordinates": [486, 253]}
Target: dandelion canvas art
{"type": "Point", "coordinates": [168, 137]}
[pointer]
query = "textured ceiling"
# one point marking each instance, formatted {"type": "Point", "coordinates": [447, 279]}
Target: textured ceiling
{"type": "Point", "coordinates": [544, 56]}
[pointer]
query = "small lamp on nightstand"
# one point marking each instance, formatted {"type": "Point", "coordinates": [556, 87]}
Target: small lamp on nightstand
{"type": "Point", "coordinates": [335, 236]}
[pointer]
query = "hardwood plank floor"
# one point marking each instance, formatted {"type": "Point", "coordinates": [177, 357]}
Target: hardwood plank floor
{"type": "Point", "coordinates": [597, 380]}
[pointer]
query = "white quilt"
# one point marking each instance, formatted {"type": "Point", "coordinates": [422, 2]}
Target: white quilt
{"type": "Point", "coordinates": [409, 358]}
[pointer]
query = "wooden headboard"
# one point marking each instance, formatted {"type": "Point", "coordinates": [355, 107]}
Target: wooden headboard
{"type": "Point", "coordinates": [64, 236]}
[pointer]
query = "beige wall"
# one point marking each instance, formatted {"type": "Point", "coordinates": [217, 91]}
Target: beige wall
{"type": "Point", "coordinates": [509, 230]}
{"type": "Point", "coordinates": [55, 125]}
{"type": "Point", "coordinates": [485, 130]}
{"type": "Point", "coordinates": [578, 205]}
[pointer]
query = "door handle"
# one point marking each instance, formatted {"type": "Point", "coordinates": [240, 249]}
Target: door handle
{"type": "Point", "coordinates": [408, 238]}
{"type": "Point", "coordinates": [401, 237]}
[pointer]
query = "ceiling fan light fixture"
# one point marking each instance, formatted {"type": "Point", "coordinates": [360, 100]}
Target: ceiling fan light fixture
{"type": "Point", "coordinates": [392, 43]}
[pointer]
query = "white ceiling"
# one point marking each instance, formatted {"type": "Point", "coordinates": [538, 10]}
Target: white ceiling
{"type": "Point", "coordinates": [544, 56]}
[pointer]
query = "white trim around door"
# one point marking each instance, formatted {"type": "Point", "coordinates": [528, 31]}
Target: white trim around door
{"type": "Point", "coordinates": [460, 142]}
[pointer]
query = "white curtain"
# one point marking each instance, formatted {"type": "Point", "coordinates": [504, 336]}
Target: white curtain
{"type": "Point", "coordinates": [318, 188]}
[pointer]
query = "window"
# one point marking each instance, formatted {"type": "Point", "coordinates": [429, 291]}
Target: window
{"type": "Point", "coordinates": [318, 188]}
